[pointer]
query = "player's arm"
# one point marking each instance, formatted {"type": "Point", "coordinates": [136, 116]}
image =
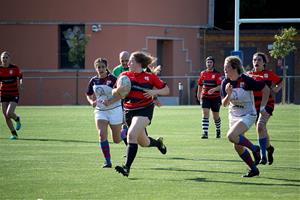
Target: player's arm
{"type": "Point", "coordinates": [215, 89]}
{"type": "Point", "coordinates": [265, 98]}
{"type": "Point", "coordinates": [228, 91]}
{"type": "Point", "coordinates": [91, 100]}
{"type": "Point", "coordinates": [108, 102]}
{"type": "Point", "coordinates": [277, 88]}
{"type": "Point", "coordinates": [199, 92]}
{"type": "Point", "coordinates": [157, 92]}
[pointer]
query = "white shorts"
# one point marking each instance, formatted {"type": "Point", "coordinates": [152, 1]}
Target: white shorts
{"type": "Point", "coordinates": [113, 116]}
{"type": "Point", "coordinates": [248, 120]}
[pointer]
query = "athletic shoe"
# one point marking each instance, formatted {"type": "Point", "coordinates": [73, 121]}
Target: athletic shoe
{"type": "Point", "coordinates": [251, 173]}
{"type": "Point", "coordinates": [270, 151]}
{"type": "Point", "coordinates": [106, 165]}
{"type": "Point", "coordinates": [13, 137]}
{"type": "Point", "coordinates": [123, 170]}
{"type": "Point", "coordinates": [18, 123]}
{"type": "Point", "coordinates": [204, 136]}
{"type": "Point", "coordinates": [218, 136]}
{"type": "Point", "coordinates": [256, 155]}
{"type": "Point", "coordinates": [162, 148]}
{"type": "Point", "coordinates": [263, 161]}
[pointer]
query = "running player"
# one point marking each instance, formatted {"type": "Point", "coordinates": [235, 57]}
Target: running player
{"type": "Point", "coordinates": [259, 72]}
{"type": "Point", "coordinates": [10, 82]}
{"type": "Point", "coordinates": [108, 110]}
{"type": "Point", "coordinates": [139, 107]}
{"type": "Point", "coordinates": [237, 92]}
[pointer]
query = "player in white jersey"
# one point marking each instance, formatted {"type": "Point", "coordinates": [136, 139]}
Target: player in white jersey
{"type": "Point", "coordinates": [108, 110]}
{"type": "Point", "coordinates": [237, 93]}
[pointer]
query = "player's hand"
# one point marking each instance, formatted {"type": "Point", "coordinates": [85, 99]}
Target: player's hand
{"type": "Point", "coordinates": [228, 88]}
{"type": "Point", "coordinates": [211, 91]}
{"type": "Point", "coordinates": [150, 93]}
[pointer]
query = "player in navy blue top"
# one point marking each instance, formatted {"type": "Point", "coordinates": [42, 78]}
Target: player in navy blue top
{"type": "Point", "coordinates": [108, 110]}
{"type": "Point", "coordinates": [237, 94]}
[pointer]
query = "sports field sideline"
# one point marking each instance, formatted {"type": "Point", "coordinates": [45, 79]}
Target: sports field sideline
{"type": "Point", "coordinates": [57, 157]}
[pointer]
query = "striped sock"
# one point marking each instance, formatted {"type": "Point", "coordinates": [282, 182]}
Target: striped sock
{"type": "Point", "coordinates": [105, 150]}
{"type": "Point", "coordinates": [248, 160]}
{"type": "Point", "coordinates": [205, 124]}
{"type": "Point", "coordinates": [218, 126]}
{"type": "Point", "coordinates": [263, 147]}
{"type": "Point", "coordinates": [124, 135]}
{"type": "Point", "coordinates": [246, 143]}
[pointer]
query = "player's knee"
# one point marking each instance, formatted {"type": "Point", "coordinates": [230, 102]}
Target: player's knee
{"type": "Point", "coordinates": [9, 115]}
{"type": "Point", "coordinates": [261, 127]}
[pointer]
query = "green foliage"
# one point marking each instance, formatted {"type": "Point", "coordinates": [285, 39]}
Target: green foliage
{"type": "Point", "coordinates": [77, 49]}
{"type": "Point", "coordinates": [57, 157]}
{"type": "Point", "coordinates": [284, 44]}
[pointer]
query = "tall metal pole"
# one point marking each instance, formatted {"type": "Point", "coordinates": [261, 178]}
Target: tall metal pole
{"type": "Point", "coordinates": [237, 25]}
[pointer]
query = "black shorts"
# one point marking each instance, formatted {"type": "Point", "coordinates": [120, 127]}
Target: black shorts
{"type": "Point", "coordinates": [9, 99]}
{"type": "Point", "coordinates": [144, 112]}
{"type": "Point", "coordinates": [213, 104]}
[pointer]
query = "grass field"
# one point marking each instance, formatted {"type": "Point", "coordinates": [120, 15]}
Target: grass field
{"type": "Point", "coordinates": [57, 157]}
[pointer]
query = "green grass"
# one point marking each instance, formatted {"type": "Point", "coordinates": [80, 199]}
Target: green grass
{"type": "Point", "coordinates": [57, 157]}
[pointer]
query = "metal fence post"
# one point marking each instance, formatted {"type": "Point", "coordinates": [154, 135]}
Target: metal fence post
{"type": "Point", "coordinates": [180, 93]}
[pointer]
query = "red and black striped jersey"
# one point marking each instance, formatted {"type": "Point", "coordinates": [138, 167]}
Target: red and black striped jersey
{"type": "Point", "coordinates": [208, 80]}
{"type": "Point", "coordinates": [9, 81]}
{"type": "Point", "coordinates": [140, 81]}
{"type": "Point", "coordinates": [270, 78]}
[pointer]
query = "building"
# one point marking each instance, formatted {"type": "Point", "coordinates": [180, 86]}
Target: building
{"type": "Point", "coordinates": [179, 33]}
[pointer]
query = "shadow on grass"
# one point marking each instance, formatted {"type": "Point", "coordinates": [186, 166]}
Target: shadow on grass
{"type": "Point", "coordinates": [53, 140]}
{"type": "Point", "coordinates": [244, 182]}
{"type": "Point", "coordinates": [194, 170]}
{"type": "Point", "coordinates": [190, 159]}
{"type": "Point", "coordinates": [198, 179]}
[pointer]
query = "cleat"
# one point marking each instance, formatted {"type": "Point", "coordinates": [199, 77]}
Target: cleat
{"type": "Point", "coordinates": [256, 155]}
{"type": "Point", "coordinates": [123, 170]}
{"type": "Point", "coordinates": [263, 161]}
{"type": "Point", "coordinates": [162, 148]}
{"type": "Point", "coordinates": [13, 137]}
{"type": "Point", "coordinates": [270, 151]}
{"type": "Point", "coordinates": [218, 136]}
{"type": "Point", "coordinates": [204, 136]}
{"type": "Point", "coordinates": [106, 165]}
{"type": "Point", "coordinates": [18, 123]}
{"type": "Point", "coordinates": [252, 173]}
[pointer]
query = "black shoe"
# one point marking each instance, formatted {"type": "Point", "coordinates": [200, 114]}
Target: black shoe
{"type": "Point", "coordinates": [162, 148]}
{"type": "Point", "coordinates": [123, 170]}
{"type": "Point", "coordinates": [106, 165]}
{"type": "Point", "coordinates": [256, 155]}
{"type": "Point", "coordinates": [252, 173]}
{"type": "Point", "coordinates": [270, 151]}
{"type": "Point", "coordinates": [263, 161]}
{"type": "Point", "coordinates": [204, 136]}
{"type": "Point", "coordinates": [218, 136]}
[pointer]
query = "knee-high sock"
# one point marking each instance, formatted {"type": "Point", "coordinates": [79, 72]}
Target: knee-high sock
{"type": "Point", "coordinates": [105, 150]}
{"type": "Point", "coordinates": [246, 143]}
{"type": "Point", "coordinates": [124, 135]}
{"type": "Point", "coordinates": [218, 126]}
{"type": "Point", "coordinates": [153, 142]}
{"type": "Point", "coordinates": [131, 153]}
{"type": "Point", "coordinates": [205, 125]}
{"type": "Point", "coordinates": [263, 146]}
{"type": "Point", "coordinates": [247, 159]}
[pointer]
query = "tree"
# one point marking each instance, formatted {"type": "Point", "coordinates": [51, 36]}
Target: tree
{"type": "Point", "coordinates": [77, 49]}
{"type": "Point", "coordinates": [282, 46]}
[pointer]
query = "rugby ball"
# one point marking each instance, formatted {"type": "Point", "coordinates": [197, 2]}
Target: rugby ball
{"type": "Point", "coordinates": [125, 83]}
